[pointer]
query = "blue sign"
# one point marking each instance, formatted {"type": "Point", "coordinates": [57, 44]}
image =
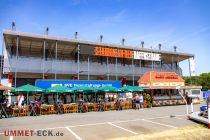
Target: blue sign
{"type": "Point", "coordinates": [75, 83]}
{"type": "Point", "coordinates": [206, 94]}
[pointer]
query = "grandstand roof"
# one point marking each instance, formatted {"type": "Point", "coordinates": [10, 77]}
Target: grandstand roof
{"type": "Point", "coordinates": [66, 45]}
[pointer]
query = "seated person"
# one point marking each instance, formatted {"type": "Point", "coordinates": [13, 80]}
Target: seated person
{"type": "Point", "coordinates": [100, 105]}
{"type": "Point", "coordinates": [59, 107]}
{"type": "Point", "coordinates": [118, 104]}
{"type": "Point", "coordinates": [81, 108]}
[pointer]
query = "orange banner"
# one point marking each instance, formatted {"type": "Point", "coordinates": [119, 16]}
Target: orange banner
{"type": "Point", "coordinates": [112, 52]}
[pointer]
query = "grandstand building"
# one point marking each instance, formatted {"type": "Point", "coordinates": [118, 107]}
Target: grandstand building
{"type": "Point", "coordinates": [28, 57]}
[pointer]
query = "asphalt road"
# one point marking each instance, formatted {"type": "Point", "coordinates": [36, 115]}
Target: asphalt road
{"type": "Point", "coordinates": [96, 125]}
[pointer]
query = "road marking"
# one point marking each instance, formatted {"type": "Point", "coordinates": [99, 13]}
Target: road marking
{"type": "Point", "coordinates": [123, 121]}
{"type": "Point", "coordinates": [139, 119]}
{"type": "Point", "coordinates": [159, 123]}
{"type": "Point", "coordinates": [73, 133]}
{"type": "Point", "coordinates": [117, 121]}
{"type": "Point", "coordinates": [11, 138]}
{"type": "Point", "coordinates": [122, 128]}
{"type": "Point", "coordinates": [142, 119]}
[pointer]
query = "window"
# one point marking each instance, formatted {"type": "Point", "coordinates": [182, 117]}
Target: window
{"type": "Point", "coordinates": [195, 92]}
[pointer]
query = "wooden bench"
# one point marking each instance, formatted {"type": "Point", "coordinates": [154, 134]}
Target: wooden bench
{"type": "Point", "coordinates": [70, 108]}
{"type": "Point", "coordinates": [44, 109]}
{"type": "Point", "coordinates": [47, 109]}
{"type": "Point", "coordinates": [20, 111]}
{"type": "Point", "coordinates": [108, 106]}
{"type": "Point", "coordinates": [15, 111]}
{"type": "Point", "coordinates": [51, 109]}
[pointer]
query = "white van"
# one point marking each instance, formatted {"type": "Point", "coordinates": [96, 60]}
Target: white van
{"type": "Point", "coordinates": [195, 94]}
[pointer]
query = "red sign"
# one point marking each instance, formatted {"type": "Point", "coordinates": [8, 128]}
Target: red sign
{"type": "Point", "coordinates": [166, 76]}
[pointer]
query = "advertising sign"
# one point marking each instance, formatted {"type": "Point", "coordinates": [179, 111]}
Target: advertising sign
{"type": "Point", "coordinates": [205, 94]}
{"type": "Point", "coordinates": [167, 83]}
{"type": "Point", "coordinates": [75, 83]}
{"type": "Point", "coordinates": [113, 52]}
{"type": "Point", "coordinates": [192, 67]}
{"type": "Point", "coordinates": [126, 53]}
{"type": "Point", "coordinates": [146, 56]}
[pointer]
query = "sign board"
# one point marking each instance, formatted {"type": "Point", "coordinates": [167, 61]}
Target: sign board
{"type": "Point", "coordinates": [146, 56]}
{"type": "Point", "coordinates": [75, 83]}
{"type": "Point", "coordinates": [167, 83]}
{"type": "Point", "coordinates": [192, 67]}
{"type": "Point", "coordinates": [166, 76]}
{"type": "Point", "coordinates": [205, 94]}
{"type": "Point", "coordinates": [113, 52]}
{"type": "Point", "coordinates": [126, 53]}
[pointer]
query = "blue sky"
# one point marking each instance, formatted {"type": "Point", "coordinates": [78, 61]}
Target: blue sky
{"type": "Point", "coordinates": [184, 23]}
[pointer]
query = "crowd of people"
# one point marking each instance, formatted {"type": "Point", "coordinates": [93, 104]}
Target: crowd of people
{"type": "Point", "coordinates": [102, 102]}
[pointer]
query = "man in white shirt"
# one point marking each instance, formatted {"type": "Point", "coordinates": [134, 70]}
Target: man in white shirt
{"type": "Point", "coordinates": [141, 101]}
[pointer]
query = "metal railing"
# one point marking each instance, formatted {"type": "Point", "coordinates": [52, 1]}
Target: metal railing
{"type": "Point", "coordinates": [36, 65]}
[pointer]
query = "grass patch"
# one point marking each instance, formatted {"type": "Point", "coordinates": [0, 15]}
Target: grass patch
{"type": "Point", "coordinates": [195, 132]}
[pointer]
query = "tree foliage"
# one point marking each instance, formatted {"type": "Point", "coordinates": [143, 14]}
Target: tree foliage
{"type": "Point", "coordinates": [201, 80]}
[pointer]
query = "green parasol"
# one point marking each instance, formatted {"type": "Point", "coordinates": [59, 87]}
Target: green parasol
{"type": "Point", "coordinates": [84, 89]}
{"type": "Point", "coordinates": [59, 89]}
{"type": "Point", "coordinates": [108, 89]}
{"type": "Point", "coordinates": [27, 89]}
{"type": "Point", "coordinates": [131, 89]}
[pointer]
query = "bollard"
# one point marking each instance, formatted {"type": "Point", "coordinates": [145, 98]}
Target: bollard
{"type": "Point", "coordinates": [191, 105]}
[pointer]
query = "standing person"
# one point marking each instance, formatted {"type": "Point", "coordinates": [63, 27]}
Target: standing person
{"type": "Point", "coordinates": [100, 105]}
{"type": "Point", "coordinates": [188, 99]}
{"type": "Point", "coordinates": [134, 103]}
{"type": "Point", "coordinates": [141, 101]}
{"type": "Point", "coordinates": [118, 105]}
{"type": "Point", "coordinates": [137, 101]}
{"type": "Point", "coordinates": [59, 106]}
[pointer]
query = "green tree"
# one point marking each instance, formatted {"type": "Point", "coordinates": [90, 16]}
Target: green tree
{"type": "Point", "coordinates": [201, 80]}
{"type": "Point", "coordinates": [194, 80]}
{"type": "Point", "coordinates": [204, 81]}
